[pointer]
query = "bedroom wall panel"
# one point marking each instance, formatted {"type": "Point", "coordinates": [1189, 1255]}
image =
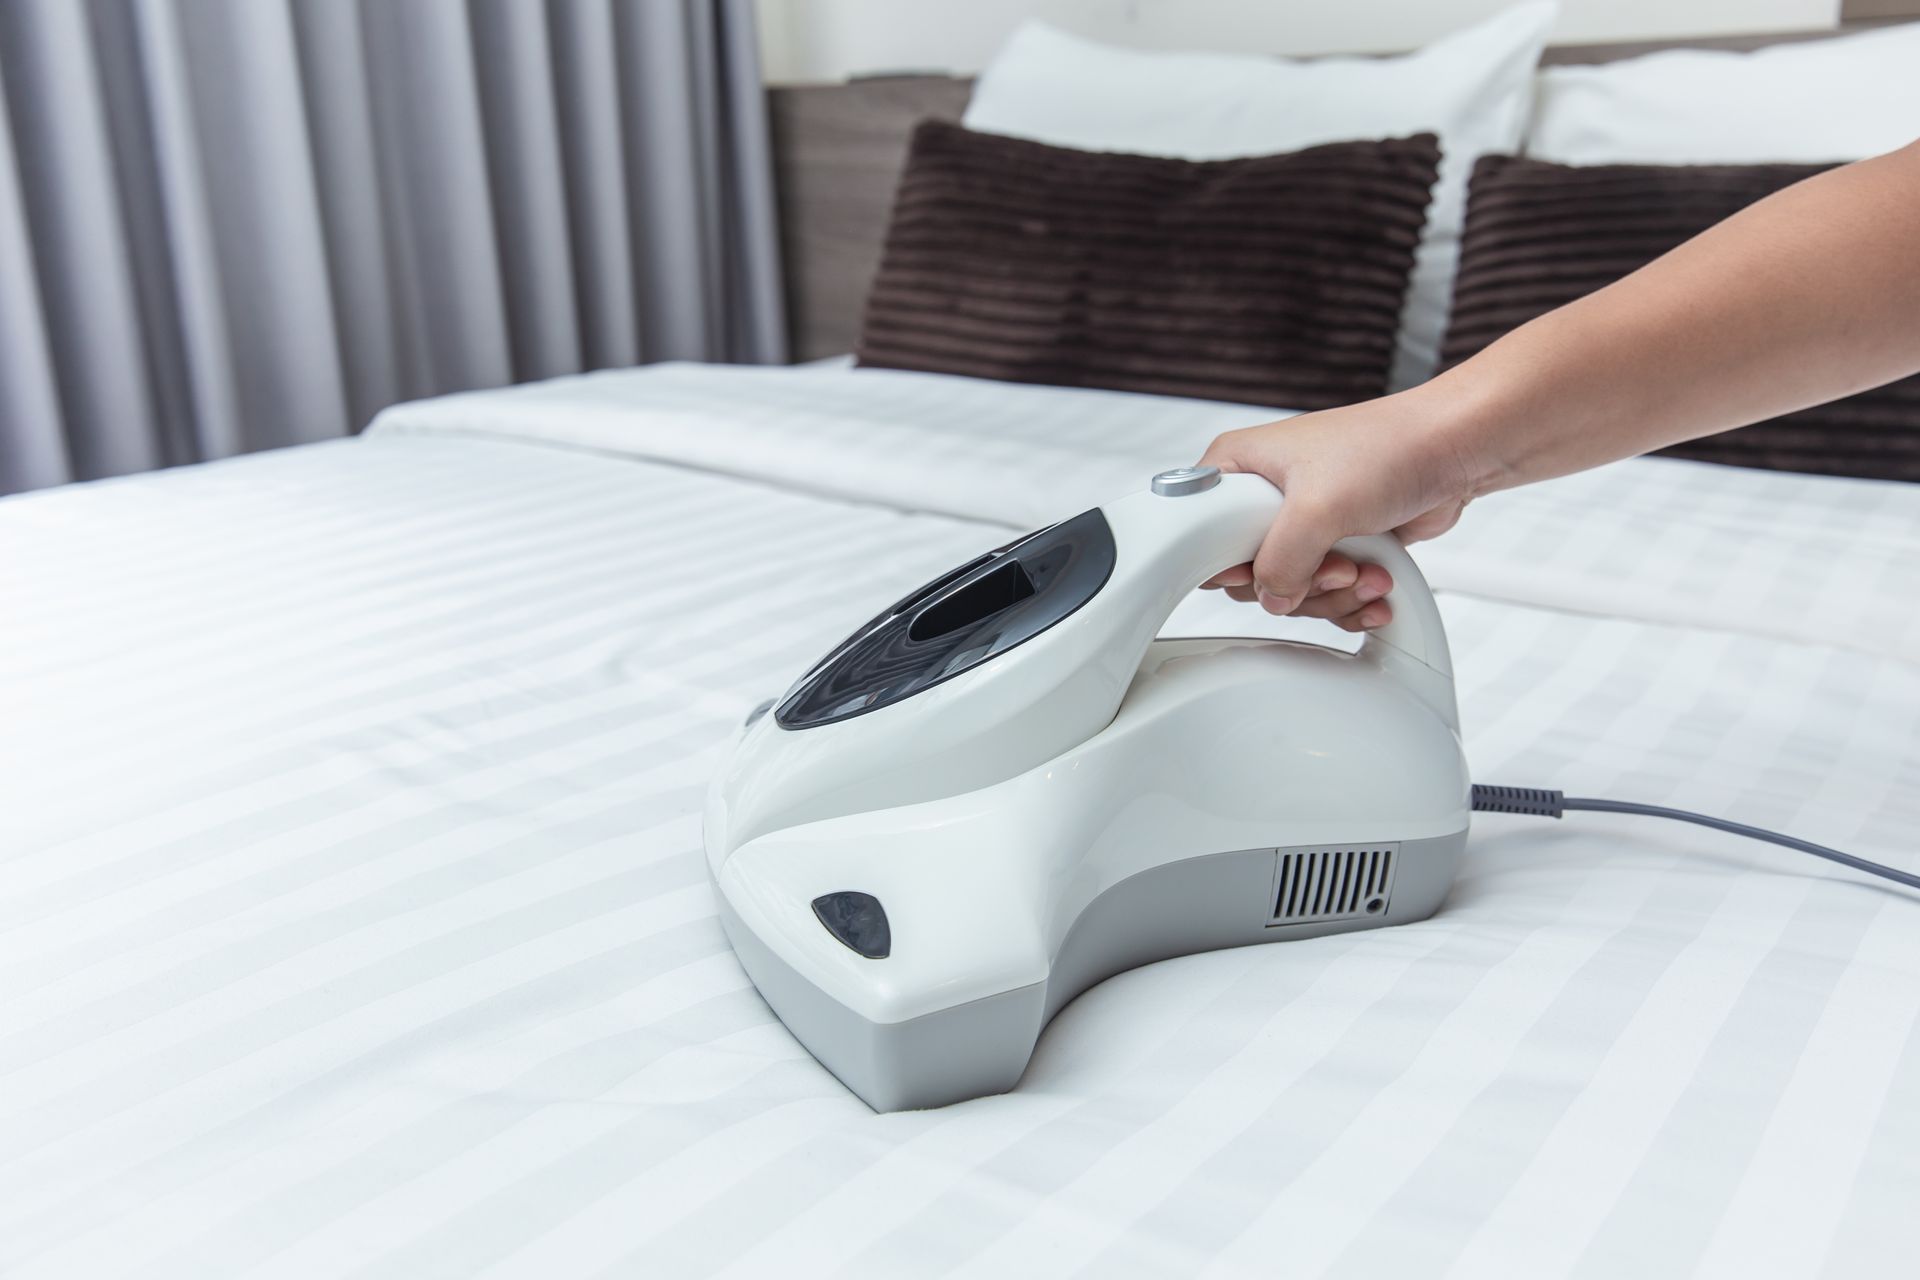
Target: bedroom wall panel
{"type": "Point", "coordinates": [838, 150]}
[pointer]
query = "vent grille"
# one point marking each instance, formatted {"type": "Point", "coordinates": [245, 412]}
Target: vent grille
{"type": "Point", "coordinates": [1323, 883]}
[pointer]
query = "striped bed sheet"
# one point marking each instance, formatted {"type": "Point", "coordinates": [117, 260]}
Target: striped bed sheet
{"type": "Point", "coordinates": [353, 920]}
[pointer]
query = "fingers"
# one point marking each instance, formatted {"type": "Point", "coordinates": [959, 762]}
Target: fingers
{"type": "Point", "coordinates": [1377, 614]}
{"type": "Point", "coordinates": [1336, 573]}
{"type": "Point", "coordinates": [1241, 575]}
{"type": "Point", "coordinates": [1361, 617]}
{"type": "Point", "coordinates": [1291, 556]}
{"type": "Point", "coordinates": [1348, 594]}
{"type": "Point", "coordinates": [1364, 586]}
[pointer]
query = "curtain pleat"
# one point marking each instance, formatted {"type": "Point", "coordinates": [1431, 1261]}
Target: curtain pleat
{"type": "Point", "coordinates": [517, 99]}
{"type": "Point", "coordinates": [71, 206]}
{"type": "Point", "coordinates": [593, 128]}
{"type": "Point", "coordinates": [235, 224]}
{"type": "Point", "coordinates": [665, 182]}
{"type": "Point", "coordinates": [34, 454]}
{"type": "Point", "coordinates": [435, 158]}
{"type": "Point", "coordinates": [378, 366]}
{"type": "Point", "coordinates": [123, 80]}
{"type": "Point", "coordinates": [268, 248]}
{"type": "Point", "coordinates": [754, 303]}
{"type": "Point", "coordinates": [171, 224]}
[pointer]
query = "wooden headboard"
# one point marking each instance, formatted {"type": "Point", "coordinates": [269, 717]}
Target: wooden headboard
{"type": "Point", "coordinates": [838, 149]}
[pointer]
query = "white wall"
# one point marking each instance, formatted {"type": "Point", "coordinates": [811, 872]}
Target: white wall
{"type": "Point", "coordinates": [812, 40]}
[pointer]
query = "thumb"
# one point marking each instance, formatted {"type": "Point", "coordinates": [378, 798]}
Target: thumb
{"type": "Point", "coordinates": [1297, 542]}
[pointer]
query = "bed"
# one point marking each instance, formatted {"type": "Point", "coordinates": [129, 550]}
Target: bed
{"type": "Point", "coordinates": [355, 919]}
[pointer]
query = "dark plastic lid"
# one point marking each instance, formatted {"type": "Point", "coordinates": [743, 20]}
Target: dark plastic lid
{"type": "Point", "coordinates": [963, 618]}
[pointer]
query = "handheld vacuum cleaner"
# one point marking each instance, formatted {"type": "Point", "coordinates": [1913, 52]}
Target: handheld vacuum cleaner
{"type": "Point", "coordinates": [1004, 789]}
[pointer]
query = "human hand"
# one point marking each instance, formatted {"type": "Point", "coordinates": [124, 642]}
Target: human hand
{"type": "Point", "coordinates": [1364, 468]}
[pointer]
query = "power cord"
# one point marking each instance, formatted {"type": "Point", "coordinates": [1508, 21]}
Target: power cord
{"type": "Point", "coordinates": [1541, 803]}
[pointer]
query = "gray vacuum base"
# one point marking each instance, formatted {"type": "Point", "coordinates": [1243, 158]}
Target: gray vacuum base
{"type": "Point", "coordinates": [982, 1047]}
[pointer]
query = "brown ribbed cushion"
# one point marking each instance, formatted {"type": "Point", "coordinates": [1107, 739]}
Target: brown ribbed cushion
{"type": "Point", "coordinates": [1273, 280]}
{"type": "Point", "coordinates": [1541, 234]}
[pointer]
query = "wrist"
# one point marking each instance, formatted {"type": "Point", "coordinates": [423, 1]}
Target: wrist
{"type": "Point", "coordinates": [1457, 425]}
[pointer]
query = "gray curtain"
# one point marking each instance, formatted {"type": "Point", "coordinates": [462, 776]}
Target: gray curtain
{"type": "Point", "coordinates": [234, 224]}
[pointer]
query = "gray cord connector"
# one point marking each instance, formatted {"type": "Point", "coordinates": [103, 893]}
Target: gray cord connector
{"type": "Point", "coordinates": [1538, 802]}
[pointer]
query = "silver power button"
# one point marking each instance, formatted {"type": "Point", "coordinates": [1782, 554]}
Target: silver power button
{"type": "Point", "coordinates": [1181, 481]}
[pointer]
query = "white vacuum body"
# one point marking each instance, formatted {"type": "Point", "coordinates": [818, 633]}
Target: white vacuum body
{"type": "Point", "coordinates": [1004, 790]}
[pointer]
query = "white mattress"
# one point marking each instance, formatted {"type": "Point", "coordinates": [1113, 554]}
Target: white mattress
{"type": "Point", "coordinates": [352, 917]}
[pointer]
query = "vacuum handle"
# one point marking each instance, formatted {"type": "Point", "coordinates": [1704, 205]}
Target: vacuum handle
{"type": "Point", "coordinates": [1415, 630]}
{"type": "Point", "coordinates": [1182, 538]}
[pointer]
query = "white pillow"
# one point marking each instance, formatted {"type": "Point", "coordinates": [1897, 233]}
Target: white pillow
{"type": "Point", "coordinates": [1471, 88]}
{"type": "Point", "coordinates": [1832, 99]}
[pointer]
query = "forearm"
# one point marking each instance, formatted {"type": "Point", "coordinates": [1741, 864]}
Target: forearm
{"type": "Point", "coordinates": [1809, 295]}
